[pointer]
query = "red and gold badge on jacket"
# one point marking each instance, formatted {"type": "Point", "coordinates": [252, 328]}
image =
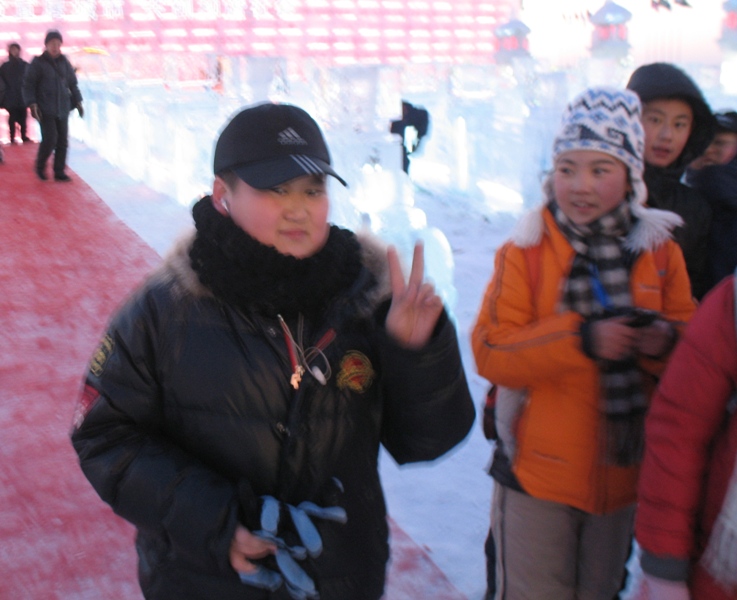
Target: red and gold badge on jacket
{"type": "Point", "coordinates": [356, 373]}
{"type": "Point", "coordinates": [99, 358]}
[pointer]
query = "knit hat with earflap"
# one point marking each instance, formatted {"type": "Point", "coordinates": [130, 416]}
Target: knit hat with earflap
{"type": "Point", "coordinates": [608, 120]}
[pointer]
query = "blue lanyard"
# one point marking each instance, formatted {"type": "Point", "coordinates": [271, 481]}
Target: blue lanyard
{"type": "Point", "coordinates": [598, 286]}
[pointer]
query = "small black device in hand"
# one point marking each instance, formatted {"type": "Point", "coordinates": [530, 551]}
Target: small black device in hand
{"type": "Point", "coordinates": [642, 318]}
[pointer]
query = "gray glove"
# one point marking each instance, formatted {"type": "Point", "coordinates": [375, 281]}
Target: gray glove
{"type": "Point", "coordinates": [305, 527]}
{"type": "Point", "coordinates": [298, 583]}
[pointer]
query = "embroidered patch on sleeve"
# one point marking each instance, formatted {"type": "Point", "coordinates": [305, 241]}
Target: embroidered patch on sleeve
{"type": "Point", "coordinates": [101, 355]}
{"type": "Point", "coordinates": [86, 401]}
{"type": "Point", "coordinates": [356, 372]}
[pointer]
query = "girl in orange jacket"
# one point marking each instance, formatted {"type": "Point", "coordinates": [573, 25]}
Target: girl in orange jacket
{"type": "Point", "coordinates": [585, 341]}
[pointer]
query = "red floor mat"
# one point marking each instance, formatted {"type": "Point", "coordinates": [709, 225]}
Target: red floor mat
{"type": "Point", "coordinates": [66, 263]}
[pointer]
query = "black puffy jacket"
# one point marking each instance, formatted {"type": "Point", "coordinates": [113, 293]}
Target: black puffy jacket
{"type": "Point", "coordinates": [718, 184]}
{"type": "Point", "coordinates": [13, 71]}
{"type": "Point", "coordinates": [52, 84]}
{"type": "Point", "coordinates": [191, 418]}
{"type": "Point", "coordinates": [664, 188]}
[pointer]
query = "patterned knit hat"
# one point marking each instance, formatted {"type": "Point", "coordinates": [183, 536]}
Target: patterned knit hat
{"type": "Point", "coordinates": [607, 120]}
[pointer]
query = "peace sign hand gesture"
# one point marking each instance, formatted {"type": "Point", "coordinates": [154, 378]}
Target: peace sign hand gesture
{"type": "Point", "coordinates": [415, 306]}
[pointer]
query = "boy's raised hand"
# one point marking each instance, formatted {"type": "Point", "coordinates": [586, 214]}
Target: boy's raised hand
{"type": "Point", "coordinates": [415, 306]}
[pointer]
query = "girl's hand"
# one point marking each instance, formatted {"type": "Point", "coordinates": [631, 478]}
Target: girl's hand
{"type": "Point", "coordinates": [613, 339]}
{"type": "Point", "coordinates": [655, 340]}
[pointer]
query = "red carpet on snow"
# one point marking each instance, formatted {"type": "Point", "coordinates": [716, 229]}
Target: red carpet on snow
{"type": "Point", "coordinates": [66, 263]}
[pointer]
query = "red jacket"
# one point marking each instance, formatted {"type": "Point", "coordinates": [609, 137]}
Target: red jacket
{"type": "Point", "coordinates": [691, 445]}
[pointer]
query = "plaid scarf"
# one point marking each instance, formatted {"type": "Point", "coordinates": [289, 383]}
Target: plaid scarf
{"type": "Point", "coordinates": [598, 286]}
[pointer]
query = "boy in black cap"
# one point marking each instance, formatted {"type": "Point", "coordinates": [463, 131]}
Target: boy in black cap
{"type": "Point", "coordinates": [50, 90]}
{"type": "Point", "coordinates": [716, 180]}
{"type": "Point", "coordinates": [234, 410]}
{"type": "Point", "coordinates": [723, 147]}
{"type": "Point", "coordinates": [678, 127]}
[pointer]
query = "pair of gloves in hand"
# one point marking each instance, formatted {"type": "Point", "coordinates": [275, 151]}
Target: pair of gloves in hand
{"type": "Point", "coordinates": [298, 583]}
{"type": "Point", "coordinates": [36, 111]}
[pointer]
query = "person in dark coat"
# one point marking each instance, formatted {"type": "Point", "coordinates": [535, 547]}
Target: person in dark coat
{"type": "Point", "coordinates": [50, 90]}
{"type": "Point", "coordinates": [413, 127]}
{"type": "Point", "coordinates": [678, 127]}
{"type": "Point", "coordinates": [716, 180]}
{"type": "Point", "coordinates": [12, 72]}
{"type": "Point", "coordinates": [234, 410]}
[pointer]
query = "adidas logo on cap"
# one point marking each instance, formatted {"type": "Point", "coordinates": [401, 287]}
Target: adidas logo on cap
{"type": "Point", "coordinates": [290, 137]}
{"type": "Point", "coordinates": [268, 144]}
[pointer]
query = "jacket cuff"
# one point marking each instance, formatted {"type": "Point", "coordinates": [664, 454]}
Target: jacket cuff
{"type": "Point", "coordinates": [665, 567]}
{"type": "Point", "coordinates": [587, 342]}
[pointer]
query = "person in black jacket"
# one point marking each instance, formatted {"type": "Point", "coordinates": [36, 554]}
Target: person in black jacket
{"type": "Point", "coordinates": [234, 410]}
{"type": "Point", "coordinates": [716, 180]}
{"type": "Point", "coordinates": [12, 72]}
{"type": "Point", "coordinates": [678, 127]}
{"type": "Point", "coordinates": [413, 127]}
{"type": "Point", "coordinates": [50, 90]}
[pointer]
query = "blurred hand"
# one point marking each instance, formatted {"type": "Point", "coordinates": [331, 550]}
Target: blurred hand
{"type": "Point", "coordinates": [247, 546]}
{"type": "Point", "coordinates": [699, 163]}
{"type": "Point", "coordinates": [35, 112]}
{"type": "Point", "coordinates": [656, 339]}
{"type": "Point", "coordinates": [80, 110]}
{"type": "Point", "coordinates": [415, 306]}
{"type": "Point", "coordinates": [654, 588]}
{"type": "Point", "coordinates": [613, 339]}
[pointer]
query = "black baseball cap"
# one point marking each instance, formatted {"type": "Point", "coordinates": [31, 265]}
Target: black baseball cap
{"type": "Point", "coordinates": [726, 120]}
{"type": "Point", "coordinates": [268, 144]}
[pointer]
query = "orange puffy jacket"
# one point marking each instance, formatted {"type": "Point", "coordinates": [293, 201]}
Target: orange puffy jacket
{"type": "Point", "coordinates": [524, 342]}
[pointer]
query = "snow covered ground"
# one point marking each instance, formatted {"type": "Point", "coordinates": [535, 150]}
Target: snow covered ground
{"type": "Point", "coordinates": [443, 506]}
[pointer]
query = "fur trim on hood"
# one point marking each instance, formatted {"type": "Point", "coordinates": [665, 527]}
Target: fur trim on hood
{"type": "Point", "coordinates": [653, 228]}
{"type": "Point", "coordinates": [176, 270]}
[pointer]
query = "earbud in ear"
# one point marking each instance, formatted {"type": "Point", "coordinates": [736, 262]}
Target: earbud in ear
{"type": "Point", "coordinates": [224, 204]}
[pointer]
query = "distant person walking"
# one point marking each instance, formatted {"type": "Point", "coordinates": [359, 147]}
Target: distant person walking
{"type": "Point", "coordinates": [12, 72]}
{"type": "Point", "coordinates": [413, 126]}
{"type": "Point", "coordinates": [51, 92]}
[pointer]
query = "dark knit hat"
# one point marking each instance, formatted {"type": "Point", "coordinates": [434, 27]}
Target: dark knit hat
{"type": "Point", "coordinates": [52, 34]}
{"type": "Point", "coordinates": [269, 144]}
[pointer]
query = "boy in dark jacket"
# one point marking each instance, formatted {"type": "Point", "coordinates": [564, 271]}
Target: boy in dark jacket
{"type": "Point", "coordinates": [12, 72]}
{"type": "Point", "coordinates": [50, 90]}
{"type": "Point", "coordinates": [234, 410]}
{"type": "Point", "coordinates": [678, 127]}
{"type": "Point", "coordinates": [717, 182]}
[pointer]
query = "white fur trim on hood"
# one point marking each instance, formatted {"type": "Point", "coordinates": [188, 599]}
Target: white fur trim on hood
{"type": "Point", "coordinates": [653, 228]}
